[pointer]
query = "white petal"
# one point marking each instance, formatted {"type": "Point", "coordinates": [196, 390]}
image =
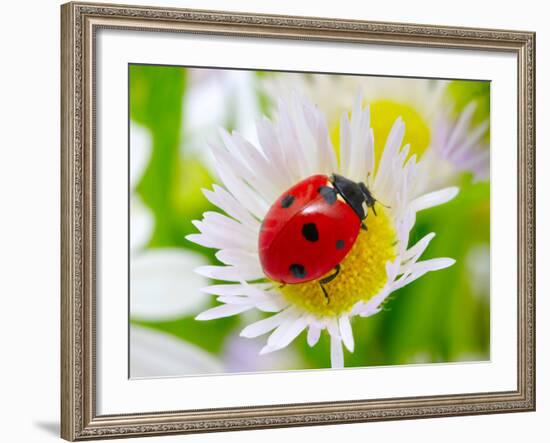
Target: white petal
{"type": "Point", "coordinates": [434, 264]}
{"type": "Point", "coordinates": [263, 173]}
{"type": "Point", "coordinates": [267, 304]}
{"type": "Point", "coordinates": [318, 126]}
{"type": "Point", "coordinates": [345, 145]}
{"type": "Point", "coordinates": [461, 125]}
{"type": "Point", "coordinates": [392, 268]}
{"type": "Point", "coordinates": [267, 349]}
{"type": "Point", "coordinates": [241, 191]}
{"type": "Point", "coordinates": [226, 202]}
{"type": "Point", "coordinates": [233, 289]}
{"type": "Point", "coordinates": [271, 304]}
{"type": "Point", "coordinates": [470, 144]}
{"type": "Point", "coordinates": [360, 138]}
{"type": "Point", "coordinates": [155, 354]}
{"type": "Point", "coordinates": [228, 226]}
{"type": "Point", "coordinates": [313, 335]}
{"type": "Point", "coordinates": [346, 332]}
{"type": "Point", "coordinates": [275, 153]}
{"type": "Point", "coordinates": [336, 352]}
{"type": "Point", "coordinates": [480, 164]}
{"type": "Point", "coordinates": [404, 225]}
{"type": "Point", "coordinates": [234, 300]}
{"type": "Point", "coordinates": [237, 257]}
{"type": "Point", "coordinates": [306, 142]}
{"type": "Point", "coordinates": [286, 332]}
{"type": "Point", "coordinates": [223, 233]}
{"type": "Point", "coordinates": [373, 306]}
{"type": "Point", "coordinates": [264, 326]}
{"type": "Point", "coordinates": [371, 159]}
{"type": "Point", "coordinates": [142, 223]}
{"type": "Point", "coordinates": [267, 301]}
{"type": "Point", "coordinates": [418, 249]}
{"type": "Point", "coordinates": [249, 163]}
{"type": "Point", "coordinates": [163, 284]}
{"type": "Point", "coordinates": [391, 149]}
{"type": "Point", "coordinates": [140, 152]}
{"type": "Point", "coordinates": [231, 273]}
{"type": "Point", "coordinates": [241, 355]}
{"type": "Point", "coordinates": [203, 240]}
{"type": "Point", "coordinates": [421, 268]}
{"type": "Point", "coordinates": [298, 161]}
{"type": "Point", "coordinates": [222, 311]}
{"type": "Point", "coordinates": [433, 199]}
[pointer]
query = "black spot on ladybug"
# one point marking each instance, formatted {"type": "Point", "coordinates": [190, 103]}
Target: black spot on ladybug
{"type": "Point", "coordinates": [297, 270]}
{"type": "Point", "coordinates": [310, 233]}
{"type": "Point", "coordinates": [328, 193]}
{"type": "Point", "coordinates": [287, 201]}
{"type": "Point", "coordinates": [339, 244]}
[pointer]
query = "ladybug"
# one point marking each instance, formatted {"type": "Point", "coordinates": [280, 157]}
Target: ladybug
{"type": "Point", "coordinates": [311, 228]}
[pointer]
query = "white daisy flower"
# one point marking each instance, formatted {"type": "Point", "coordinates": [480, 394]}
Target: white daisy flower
{"type": "Point", "coordinates": [459, 142]}
{"type": "Point", "coordinates": [450, 144]}
{"type": "Point", "coordinates": [297, 145]}
{"type": "Point", "coordinates": [160, 288]}
{"type": "Point", "coordinates": [157, 354]}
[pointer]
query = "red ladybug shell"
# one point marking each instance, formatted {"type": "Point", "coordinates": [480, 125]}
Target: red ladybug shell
{"type": "Point", "coordinates": [307, 232]}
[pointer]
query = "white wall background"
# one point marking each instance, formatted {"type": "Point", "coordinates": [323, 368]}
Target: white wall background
{"type": "Point", "coordinates": [29, 218]}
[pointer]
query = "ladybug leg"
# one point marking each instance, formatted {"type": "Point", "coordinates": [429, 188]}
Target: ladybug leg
{"type": "Point", "coordinates": [324, 292]}
{"type": "Point", "coordinates": [327, 280]}
{"type": "Point", "coordinates": [364, 226]}
{"type": "Point", "coordinates": [330, 277]}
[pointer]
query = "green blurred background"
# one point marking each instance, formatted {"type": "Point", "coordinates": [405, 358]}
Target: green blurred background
{"type": "Point", "coordinates": [442, 317]}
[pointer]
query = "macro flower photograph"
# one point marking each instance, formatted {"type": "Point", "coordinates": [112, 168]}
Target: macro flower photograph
{"type": "Point", "coordinates": [287, 221]}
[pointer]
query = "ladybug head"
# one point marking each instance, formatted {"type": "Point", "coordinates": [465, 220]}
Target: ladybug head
{"type": "Point", "coordinates": [356, 194]}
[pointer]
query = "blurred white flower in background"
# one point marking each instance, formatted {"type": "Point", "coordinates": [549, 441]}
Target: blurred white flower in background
{"type": "Point", "coordinates": [214, 98]}
{"type": "Point", "coordinates": [447, 144]}
{"type": "Point", "coordinates": [460, 142]}
{"type": "Point", "coordinates": [160, 289]}
{"type": "Point", "coordinates": [162, 286]}
{"type": "Point", "coordinates": [156, 354]}
{"type": "Point", "coordinates": [478, 262]}
{"type": "Point", "coordinates": [244, 356]}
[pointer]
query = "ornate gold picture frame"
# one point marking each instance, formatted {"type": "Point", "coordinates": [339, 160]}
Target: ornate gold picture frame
{"type": "Point", "coordinates": [80, 23]}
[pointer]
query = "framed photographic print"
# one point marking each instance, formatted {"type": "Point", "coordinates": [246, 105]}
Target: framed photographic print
{"type": "Point", "coordinates": [283, 221]}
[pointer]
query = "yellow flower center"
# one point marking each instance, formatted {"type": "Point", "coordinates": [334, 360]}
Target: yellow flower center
{"type": "Point", "coordinates": [362, 273]}
{"type": "Point", "coordinates": [383, 115]}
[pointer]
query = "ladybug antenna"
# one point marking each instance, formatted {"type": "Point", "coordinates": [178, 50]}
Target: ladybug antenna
{"type": "Point", "coordinates": [370, 200]}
